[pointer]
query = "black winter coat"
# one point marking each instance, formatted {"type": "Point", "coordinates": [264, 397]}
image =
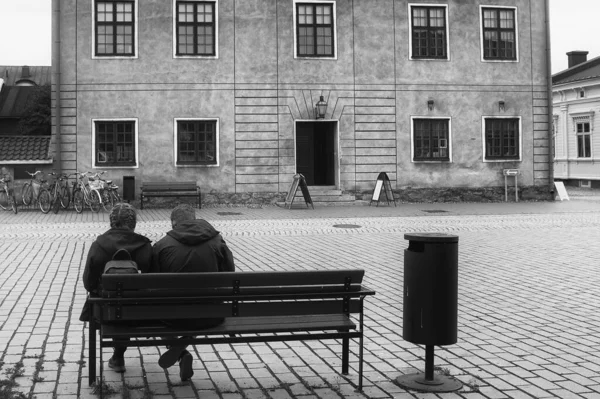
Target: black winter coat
{"type": "Point", "coordinates": [103, 249]}
{"type": "Point", "coordinates": [193, 246]}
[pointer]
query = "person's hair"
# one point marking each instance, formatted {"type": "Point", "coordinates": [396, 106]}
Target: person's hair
{"type": "Point", "coordinates": [123, 215]}
{"type": "Point", "coordinates": [182, 213]}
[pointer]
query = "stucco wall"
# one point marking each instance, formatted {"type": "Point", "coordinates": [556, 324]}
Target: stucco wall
{"type": "Point", "coordinates": [258, 90]}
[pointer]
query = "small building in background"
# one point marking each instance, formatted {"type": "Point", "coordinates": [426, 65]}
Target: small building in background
{"type": "Point", "coordinates": [19, 150]}
{"type": "Point", "coordinates": [576, 117]}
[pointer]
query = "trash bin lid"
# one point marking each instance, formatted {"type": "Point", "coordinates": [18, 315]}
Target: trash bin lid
{"type": "Point", "coordinates": [431, 237]}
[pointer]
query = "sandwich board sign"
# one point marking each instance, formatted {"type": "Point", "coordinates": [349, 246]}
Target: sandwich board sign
{"type": "Point", "coordinates": [383, 184]}
{"type": "Point", "coordinates": [299, 181]}
{"type": "Point", "coordinates": [561, 190]}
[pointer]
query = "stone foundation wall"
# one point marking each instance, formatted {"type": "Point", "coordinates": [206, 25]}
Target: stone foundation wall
{"type": "Point", "coordinates": [464, 194]}
{"type": "Point", "coordinates": [408, 195]}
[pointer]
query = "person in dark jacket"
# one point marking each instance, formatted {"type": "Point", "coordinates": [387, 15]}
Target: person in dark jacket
{"type": "Point", "coordinates": [192, 246]}
{"type": "Point", "coordinates": [121, 234]}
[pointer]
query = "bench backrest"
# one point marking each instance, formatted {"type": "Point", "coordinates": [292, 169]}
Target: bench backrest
{"type": "Point", "coordinates": [194, 295]}
{"type": "Point", "coordinates": [169, 186]}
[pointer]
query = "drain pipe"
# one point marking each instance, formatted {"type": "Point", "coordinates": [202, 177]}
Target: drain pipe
{"type": "Point", "coordinates": [56, 40]}
{"type": "Point", "coordinates": [550, 101]}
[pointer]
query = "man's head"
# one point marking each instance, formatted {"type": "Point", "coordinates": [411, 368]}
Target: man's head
{"type": "Point", "coordinates": [123, 216]}
{"type": "Point", "coordinates": [182, 213]}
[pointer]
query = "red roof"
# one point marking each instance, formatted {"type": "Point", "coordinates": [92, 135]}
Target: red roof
{"type": "Point", "coordinates": [24, 148]}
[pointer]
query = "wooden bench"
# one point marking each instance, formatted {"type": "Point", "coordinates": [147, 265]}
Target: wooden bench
{"type": "Point", "coordinates": [256, 307]}
{"type": "Point", "coordinates": [170, 189]}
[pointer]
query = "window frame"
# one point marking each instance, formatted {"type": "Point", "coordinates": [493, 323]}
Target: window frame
{"type": "Point", "coordinates": [176, 143]}
{"type": "Point", "coordinates": [519, 158]}
{"type": "Point", "coordinates": [482, 35]}
{"type": "Point", "coordinates": [583, 134]}
{"type": "Point", "coordinates": [95, 55]}
{"type": "Point", "coordinates": [447, 159]}
{"type": "Point", "coordinates": [332, 56]}
{"type": "Point", "coordinates": [412, 56]}
{"type": "Point", "coordinates": [216, 31]}
{"type": "Point", "coordinates": [95, 163]}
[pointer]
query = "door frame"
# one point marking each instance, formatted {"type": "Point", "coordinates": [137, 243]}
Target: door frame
{"type": "Point", "coordinates": [336, 147]}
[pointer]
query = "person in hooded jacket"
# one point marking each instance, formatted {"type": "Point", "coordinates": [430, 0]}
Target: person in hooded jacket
{"type": "Point", "coordinates": [121, 234]}
{"type": "Point", "coordinates": [192, 246]}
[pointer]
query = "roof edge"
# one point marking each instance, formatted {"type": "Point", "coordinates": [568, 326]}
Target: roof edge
{"type": "Point", "coordinates": [562, 75]}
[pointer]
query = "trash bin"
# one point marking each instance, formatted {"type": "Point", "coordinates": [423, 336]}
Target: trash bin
{"type": "Point", "coordinates": [430, 304]}
{"type": "Point", "coordinates": [128, 188]}
{"type": "Point", "coordinates": [430, 289]}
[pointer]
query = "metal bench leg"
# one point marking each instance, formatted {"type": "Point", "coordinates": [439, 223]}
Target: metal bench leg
{"type": "Point", "coordinates": [345, 355]}
{"type": "Point", "coordinates": [92, 351]}
{"type": "Point", "coordinates": [141, 201]}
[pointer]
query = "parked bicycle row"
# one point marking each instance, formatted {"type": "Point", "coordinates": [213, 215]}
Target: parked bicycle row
{"type": "Point", "coordinates": [82, 189]}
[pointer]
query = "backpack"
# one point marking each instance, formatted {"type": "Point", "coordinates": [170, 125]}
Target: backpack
{"type": "Point", "coordinates": [121, 263]}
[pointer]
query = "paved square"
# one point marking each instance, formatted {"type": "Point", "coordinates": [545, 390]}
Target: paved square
{"type": "Point", "coordinates": [528, 297]}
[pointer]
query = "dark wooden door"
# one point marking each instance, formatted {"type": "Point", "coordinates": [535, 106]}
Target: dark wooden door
{"type": "Point", "coordinates": [315, 152]}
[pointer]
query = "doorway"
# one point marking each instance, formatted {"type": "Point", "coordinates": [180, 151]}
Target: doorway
{"type": "Point", "coordinates": [316, 152]}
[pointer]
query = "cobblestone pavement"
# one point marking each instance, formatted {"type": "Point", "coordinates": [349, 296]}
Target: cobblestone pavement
{"type": "Point", "coordinates": [528, 297]}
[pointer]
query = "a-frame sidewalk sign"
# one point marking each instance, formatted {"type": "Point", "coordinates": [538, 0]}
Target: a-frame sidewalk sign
{"type": "Point", "coordinates": [383, 183]}
{"type": "Point", "coordinates": [299, 181]}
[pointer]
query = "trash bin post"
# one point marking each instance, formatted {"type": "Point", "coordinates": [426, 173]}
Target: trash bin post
{"type": "Point", "coordinates": [128, 188]}
{"type": "Point", "coordinates": [430, 304]}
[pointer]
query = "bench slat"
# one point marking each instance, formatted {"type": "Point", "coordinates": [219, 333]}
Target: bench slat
{"type": "Point", "coordinates": [244, 309]}
{"type": "Point", "coordinates": [187, 281]}
{"type": "Point", "coordinates": [237, 325]}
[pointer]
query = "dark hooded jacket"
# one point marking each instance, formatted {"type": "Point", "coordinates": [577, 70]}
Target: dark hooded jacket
{"type": "Point", "coordinates": [103, 249]}
{"type": "Point", "coordinates": [193, 246]}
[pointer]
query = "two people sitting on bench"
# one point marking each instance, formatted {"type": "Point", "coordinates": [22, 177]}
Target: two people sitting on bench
{"type": "Point", "coordinates": [192, 246]}
{"type": "Point", "coordinates": [123, 219]}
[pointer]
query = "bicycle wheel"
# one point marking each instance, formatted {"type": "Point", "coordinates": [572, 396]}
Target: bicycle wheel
{"type": "Point", "coordinates": [27, 193]}
{"type": "Point", "coordinates": [115, 196]}
{"type": "Point", "coordinates": [13, 201]}
{"type": "Point", "coordinates": [3, 200]}
{"type": "Point", "coordinates": [44, 200]}
{"type": "Point", "coordinates": [56, 201]}
{"type": "Point", "coordinates": [95, 201]}
{"type": "Point", "coordinates": [106, 200]}
{"type": "Point", "coordinates": [78, 200]}
{"type": "Point", "coordinates": [65, 197]}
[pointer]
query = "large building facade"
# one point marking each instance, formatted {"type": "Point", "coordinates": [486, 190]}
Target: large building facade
{"type": "Point", "coordinates": [240, 95]}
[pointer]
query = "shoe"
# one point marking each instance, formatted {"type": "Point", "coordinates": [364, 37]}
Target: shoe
{"type": "Point", "coordinates": [117, 364]}
{"type": "Point", "coordinates": [185, 366]}
{"type": "Point", "coordinates": [171, 356]}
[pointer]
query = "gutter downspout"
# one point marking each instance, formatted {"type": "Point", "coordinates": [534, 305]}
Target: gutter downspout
{"type": "Point", "coordinates": [56, 40]}
{"type": "Point", "coordinates": [550, 103]}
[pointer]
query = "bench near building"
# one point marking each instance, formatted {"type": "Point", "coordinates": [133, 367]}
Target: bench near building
{"type": "Point", "coordinates": [441, 97]}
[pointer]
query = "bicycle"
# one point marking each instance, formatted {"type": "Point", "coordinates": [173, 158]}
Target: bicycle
{"type": "Point", "coordinates": [86, 193]}
{"type": "Point", "coordinates": [7, 195]}
{"type": "Point", "coordinates": [59, 192]}
{"type": "Point", "coordinates": [36, 190]}
{"type": "Point", "coordinates": [109, 192]}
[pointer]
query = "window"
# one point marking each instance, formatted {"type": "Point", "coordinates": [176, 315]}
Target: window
{"type": "Point", "coordinates": [197, 141]}
{"type": "Point", "coordinates": [196, 28]}
{"type": "Point", "coordinates": [584, 139]}
{"type": "Point", "coordinates": [499, 33]}
{"type": "Point", "coordinates": [502, 140]}
{"type": "Point", "coordinates": [115, 143]}
{"type": "Point", "coordinates": [430, 139]}
{"type": "Point", "coordinates": [429, 35]}
{"type": "Point", "coordinates": [315, 34]}
{"type": "Point", "coordinates": [114, 28]}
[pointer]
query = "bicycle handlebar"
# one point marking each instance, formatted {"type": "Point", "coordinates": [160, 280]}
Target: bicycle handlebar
{"type": "Point", "coordinates": [34, 173]}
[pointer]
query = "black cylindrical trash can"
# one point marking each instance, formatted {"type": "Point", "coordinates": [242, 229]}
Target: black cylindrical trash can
{"type": "Point", "coordinates": [431, 289]}
{"type": "Point", "coordinates": [128, 188]}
